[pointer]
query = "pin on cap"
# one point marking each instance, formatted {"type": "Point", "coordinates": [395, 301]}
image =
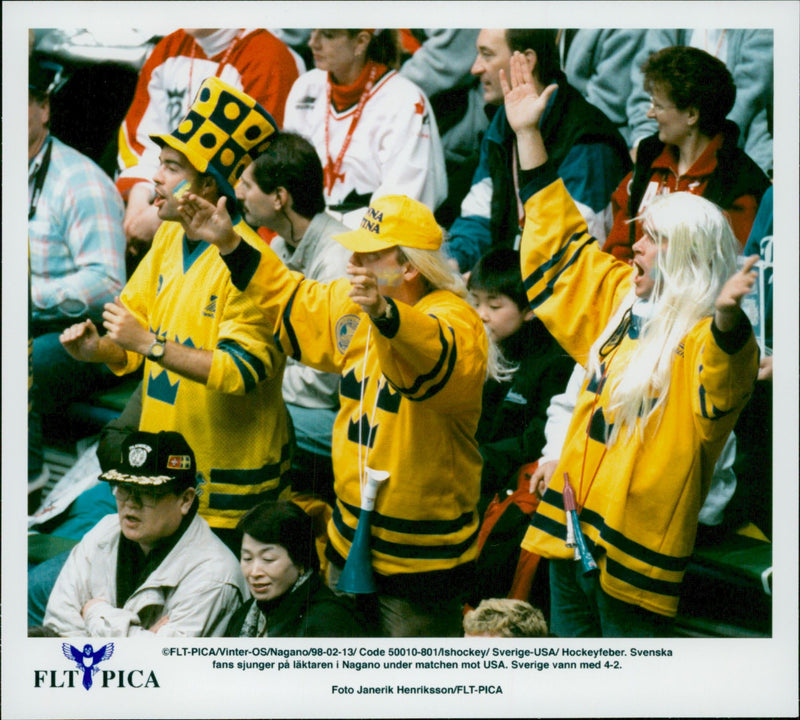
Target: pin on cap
{"type": "Point", "coordinates": [153, 460]}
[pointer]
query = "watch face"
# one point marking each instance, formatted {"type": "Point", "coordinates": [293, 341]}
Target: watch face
{"type": "Point", "coordinates": [157, 350]}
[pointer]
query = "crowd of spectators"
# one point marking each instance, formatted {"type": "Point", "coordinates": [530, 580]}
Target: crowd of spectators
{"type": "Point", "coordinates": [367, 277]}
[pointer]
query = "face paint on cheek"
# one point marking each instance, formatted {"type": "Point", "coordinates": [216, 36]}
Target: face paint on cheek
{"type": "Point", "coordinates": [180, 189]}
{"type": "Point", "coordinates": [390, 278]}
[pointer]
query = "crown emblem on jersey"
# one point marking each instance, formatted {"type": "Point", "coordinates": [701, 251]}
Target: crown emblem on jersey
{"type": "Point", "coordinates": [160, 388]}
{"type": "Point", "coordinates": [223, 132]}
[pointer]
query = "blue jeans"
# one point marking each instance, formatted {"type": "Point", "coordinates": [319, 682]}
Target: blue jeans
{"type": "Point", "coordinates": [41, 580]}
{"type": "Point", "coordinates": [579, 607]}
{"type": "Point", "coordinates": [58, 380]}
{"type": "Point", "coordinates": [312, 467]}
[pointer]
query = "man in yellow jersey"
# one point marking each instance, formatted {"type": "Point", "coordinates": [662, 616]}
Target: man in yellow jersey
{"type": "Point", "coordinates": [413, 356]}
{"type": "Point", "coordinates": [212, 370]}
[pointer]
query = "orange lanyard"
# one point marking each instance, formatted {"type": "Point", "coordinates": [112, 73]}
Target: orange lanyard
{"type": "Point", "coordinates": [222, 62]}
{"type": "Point", "coordinates": [581, 498]}
{"type": "Point", "coordinates": [719, 43]}
{"type": "Point", "coordinates": [332, 169]}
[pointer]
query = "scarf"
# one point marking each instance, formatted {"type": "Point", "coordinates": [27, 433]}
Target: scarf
{"type": "Point", "coordinates": [345, 96]}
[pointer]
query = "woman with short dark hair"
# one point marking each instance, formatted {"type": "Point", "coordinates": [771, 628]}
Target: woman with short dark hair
{"type": "Point", "coordinates": [280, 563]}
{"type": "Point", "coordinates": [694, 150]}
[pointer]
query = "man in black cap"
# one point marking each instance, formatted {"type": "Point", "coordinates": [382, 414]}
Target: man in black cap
{"type": "Point", "coordinates": [155, 566]}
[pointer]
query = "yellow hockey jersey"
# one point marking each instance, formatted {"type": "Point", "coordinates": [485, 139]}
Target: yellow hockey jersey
{"type": "Point", "coordinates": [641, 498]}
{"type": "Point", "coordinates": [410, 399]}
{"type": "Point", "coordinates": [236, 423]}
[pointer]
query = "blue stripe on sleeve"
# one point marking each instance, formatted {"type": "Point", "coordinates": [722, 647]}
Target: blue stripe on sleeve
{"type": "Point", "coordinates": [250, 367]}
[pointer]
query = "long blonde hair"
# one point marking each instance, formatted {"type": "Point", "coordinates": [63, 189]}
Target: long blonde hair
{"type": "Point", "coordinates": [438, 274]}
{"type": "Point", "coordinates": [697, 255]}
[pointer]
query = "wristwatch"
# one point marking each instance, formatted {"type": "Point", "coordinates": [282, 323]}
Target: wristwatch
{"type": "Point", "coordinates": [385, 316]}
{"type": "Point", "coordinates": [388, 321]}
{"type": "Point", "coordinates": [156, 351]}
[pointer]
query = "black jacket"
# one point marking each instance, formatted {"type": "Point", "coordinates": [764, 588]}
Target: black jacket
{"type": "Point", "coordinates": [736, 174]}
{"type": "Point", "coordinates": [511, 428]}
{"type": "Point", "coordinates": [310, 610]}
{"type": "Point", "coordinates": [571, 121]}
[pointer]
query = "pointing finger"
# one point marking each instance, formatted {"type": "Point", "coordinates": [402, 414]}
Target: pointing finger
{"type": "Point", "coordinates": [749, 263]}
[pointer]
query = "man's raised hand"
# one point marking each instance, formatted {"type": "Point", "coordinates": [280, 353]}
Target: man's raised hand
{"type": "Point", "coordinates": [729, 300]}
{"type": "Point", "coordinates": [204, 221]}
{"type": "Point", "coordinates": [523, 105]}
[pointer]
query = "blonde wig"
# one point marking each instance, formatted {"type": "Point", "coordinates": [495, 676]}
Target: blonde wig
{"type": "Point", "coordinates": [697, 255]}
{"type": "Point", "coordinates": [438, 274]}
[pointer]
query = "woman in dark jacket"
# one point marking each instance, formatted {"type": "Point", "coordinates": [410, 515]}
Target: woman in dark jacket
{"type": "Point", "coordinates": [695, 149]}
{"type": "Point", "coordinates": [280, 563]}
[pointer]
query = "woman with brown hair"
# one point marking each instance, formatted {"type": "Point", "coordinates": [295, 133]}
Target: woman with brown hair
{"type": "Point", "coordinates": [373, 129]}
{"type": "Point", "coordinates": [695, 149]}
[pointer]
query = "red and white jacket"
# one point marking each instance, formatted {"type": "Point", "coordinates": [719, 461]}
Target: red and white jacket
{"type": "Point", "coordinates": [254, 61]}
{"type": "Point", "coordinates": [394, 149]}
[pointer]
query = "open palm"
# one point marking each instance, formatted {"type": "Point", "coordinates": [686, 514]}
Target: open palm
{"type": "Point", "coordinates": [205, 221]}
{"type": "Point", "coordinates": [524, 106]}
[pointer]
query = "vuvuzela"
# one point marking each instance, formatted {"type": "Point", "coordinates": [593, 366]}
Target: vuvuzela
{"type": "Point", "coordinates": [357, 576]}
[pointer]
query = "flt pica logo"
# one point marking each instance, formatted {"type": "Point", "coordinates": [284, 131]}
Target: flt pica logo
{"type": "Point", "coordinates": [87, 662]}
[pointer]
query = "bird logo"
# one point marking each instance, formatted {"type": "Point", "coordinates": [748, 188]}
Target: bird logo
{"type": "Point", "coordinates": [88, 660]}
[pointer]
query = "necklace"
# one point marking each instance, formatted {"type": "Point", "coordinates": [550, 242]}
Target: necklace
{"type": "Point", "coordinates": [719, 43]}
{"type": "Point", "coordinates": [332, 171]}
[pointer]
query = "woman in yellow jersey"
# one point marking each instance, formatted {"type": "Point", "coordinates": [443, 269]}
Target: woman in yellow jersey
{"type": "Point", "coordinates": [671, 361]}
{"type": "Point", "coordinates": [413, 356]}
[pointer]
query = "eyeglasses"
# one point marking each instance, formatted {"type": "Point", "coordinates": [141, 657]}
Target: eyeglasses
{"type": "Point", "coordinates": [138, 496]}
{"type": "Point", "coordinates": [656, 107]}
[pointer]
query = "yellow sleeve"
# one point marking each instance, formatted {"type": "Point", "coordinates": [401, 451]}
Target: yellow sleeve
{"type": "Point", "coordinates": [572, 285]}
{"type": "Point", "coordinates": [438, 352]}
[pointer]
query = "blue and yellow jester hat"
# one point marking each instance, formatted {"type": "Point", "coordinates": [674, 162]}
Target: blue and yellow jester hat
{"type": "Point", "coordinates": [223, 132]}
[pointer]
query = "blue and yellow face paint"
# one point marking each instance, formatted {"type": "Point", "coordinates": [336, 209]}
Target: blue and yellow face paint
{"type": "Point", "coordinates": [181, 189]}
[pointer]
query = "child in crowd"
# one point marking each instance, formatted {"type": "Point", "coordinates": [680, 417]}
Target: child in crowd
{"type": "Point", "coordinates": [511, 427]}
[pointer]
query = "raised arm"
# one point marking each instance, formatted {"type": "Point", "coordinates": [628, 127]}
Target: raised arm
{"type": "Point", "coordinates": [524, 108]}
{"type": "Point", "coordinates": [206, 222]}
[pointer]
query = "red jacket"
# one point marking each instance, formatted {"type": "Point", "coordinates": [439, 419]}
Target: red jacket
{"type": "Point", "coordinates": [722, 174]}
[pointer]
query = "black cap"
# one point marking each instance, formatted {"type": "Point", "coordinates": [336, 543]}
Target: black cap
{"type": "Point", "coordinates": [39, 79]}
{"type": "Point", "coordinates": [153, 460]}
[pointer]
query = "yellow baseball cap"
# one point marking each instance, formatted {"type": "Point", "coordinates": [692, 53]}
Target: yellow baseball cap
{"type": "Point", "coordinates": [394, 220]}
